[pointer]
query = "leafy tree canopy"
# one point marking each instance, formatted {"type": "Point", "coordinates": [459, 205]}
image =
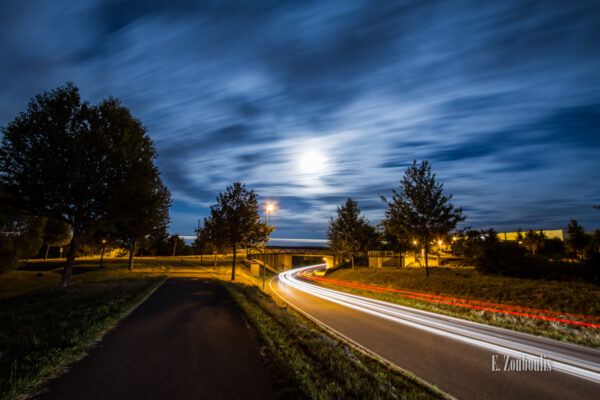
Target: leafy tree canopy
{"type": "Point", "coordinates": [419, 208]}
{"type": "Point", "coordinates": [234, 220]}
{"type": "Point", "coordinates": [577, 240]}
{"type": "Point", "coordinates": [78, 163]}
{"type": "Point", "coordinates": [350, 233]}
{"type": "Point", "coordinates": [56, 233]}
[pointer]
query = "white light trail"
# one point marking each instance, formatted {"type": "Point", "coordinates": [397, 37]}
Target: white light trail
{"type": "Point", "coordinates": [491, 338]}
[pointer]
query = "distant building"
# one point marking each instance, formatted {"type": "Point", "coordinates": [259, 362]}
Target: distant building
{"type": "Point", "coordinates": [551, 234]}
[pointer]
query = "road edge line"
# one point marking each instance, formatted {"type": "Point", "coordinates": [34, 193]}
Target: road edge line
{"type": "Point", "coordinates": [362, 349]}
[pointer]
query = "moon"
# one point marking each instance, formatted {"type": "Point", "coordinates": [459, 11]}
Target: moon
{"type": "Point", "coordinates": [312, 163]}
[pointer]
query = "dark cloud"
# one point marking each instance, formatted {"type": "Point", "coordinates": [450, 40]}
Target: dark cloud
{"type": "Point", "coordinates": [313, 102]}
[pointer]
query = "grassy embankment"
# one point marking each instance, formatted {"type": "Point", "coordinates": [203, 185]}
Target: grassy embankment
{"type": "Point", "coordinates": [562, 297]}
{"type": "Point", "coordinates": [307, 363]}
{"type": "Point", "coordinates": [44, 329]}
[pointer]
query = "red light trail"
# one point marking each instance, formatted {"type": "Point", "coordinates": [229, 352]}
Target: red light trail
{"type": "Point", "coordinates": [454, 301]}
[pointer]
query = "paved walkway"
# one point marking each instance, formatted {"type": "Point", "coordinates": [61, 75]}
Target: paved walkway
{"type": "Point", "coordinates": [186, 341]}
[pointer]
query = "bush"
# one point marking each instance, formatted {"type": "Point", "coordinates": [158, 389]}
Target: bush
{"type": "Point", "coordinates": [552, 248]}
{"type": "Point", "coordinates": [506, 258]}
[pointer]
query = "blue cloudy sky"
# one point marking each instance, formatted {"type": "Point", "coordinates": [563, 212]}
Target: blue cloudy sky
{"type": "Point", "coordinates": [310, 102]}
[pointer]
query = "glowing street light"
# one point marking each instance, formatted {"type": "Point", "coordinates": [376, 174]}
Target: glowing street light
{"type": "Point", "coordinates": [103, 241]}
{"type": "Point", "coordinates": [268, 207]}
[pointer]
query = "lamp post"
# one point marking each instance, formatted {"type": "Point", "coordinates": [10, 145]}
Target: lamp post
{"type": "Point", "coordinates": [415, 251]}
{"type": "Point", "coordinates": [269, 207]}
{"type": "Point", "coordinates": [102, 255]}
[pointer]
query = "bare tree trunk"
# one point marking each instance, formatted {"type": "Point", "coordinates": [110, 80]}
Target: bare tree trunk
{"type": "Point", "coordinates": [201, 253]}
{"type": "Point", "coordinates": [352, 259]}
{"type": "Point", "coordinates": [46, 255]}
{"type": "Point", "coordinates": [426, 260]}
{"type": "Point", "coordinates": [102, 257]}
{"type": "Point", "coordinates": [233, 263]}
{"type": "Point", "coordinates": [131, 251]}
{"type": "Point", "coordinates": [174, 246]}
{"type": "Point", "coordinates": [68, 271]}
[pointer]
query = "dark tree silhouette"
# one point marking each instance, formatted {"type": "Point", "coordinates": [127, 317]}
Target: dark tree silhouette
{"type": "Point", "coordinates": [56, 233]}
{"type": "Point", "coordinates": [53, 164]}
{"type": "Point", "coordinates": [577, 240]}
{"type": "Point", "coordinates": [210, 238]}
{"type": "Point", "coordinates": [419, 209]}
{"type": "Point", "coordinates": [533, 240]}
{"type": "Point", "coordinates": [349, 233]}
{"type": "Point", "coordinates": [68, 160]}
{"type": "Point", "coordinates": [138, 200]}
{"type": "Point", "coordinates": [236, 220]}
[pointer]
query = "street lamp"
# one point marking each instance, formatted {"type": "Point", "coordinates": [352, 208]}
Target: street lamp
{"type": "Point", "coordinates": [415, 249]}
{"type": "Point", "coordinates": [268, 207]}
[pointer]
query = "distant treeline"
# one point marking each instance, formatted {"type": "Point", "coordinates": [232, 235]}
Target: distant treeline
{"type": "Point", "coordinates": [533, 255]}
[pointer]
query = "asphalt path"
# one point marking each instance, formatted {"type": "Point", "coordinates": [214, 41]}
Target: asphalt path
{"type": "Point", "coordinates": [188, 340]}
{"type": "Point", "coordinates": [431, 349]}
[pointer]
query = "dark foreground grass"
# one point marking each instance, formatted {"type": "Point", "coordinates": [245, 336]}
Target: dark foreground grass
{"type": "Point", "coordinates": [562, 297]}
{"type": "Point", "coordinates": [44, 330]}
{"type": "Point", "coordinates": [307, 363]}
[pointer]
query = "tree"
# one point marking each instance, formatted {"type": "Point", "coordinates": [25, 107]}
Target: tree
{"type": "Point", "coordinates": [577, 240]}
{"type": "Point", "coordinates": [68, 160]}
{"type": "Point", "coordinates": [158, 242]}
{"type": "Point", "coordinates": [533, 240]}
{"type": "Point", "coordinates": [210, 237]}
{"type": "Point", "coordinates": [21, 236]}
{"type": "Point", "coordinates": [203, 242]}
{"type": "Point", "coordinates": [349, 233]}
{"type": "Point", "coordinates": [177, 245]}
{"type": "Point", "coordinates": [419, 208]}
{"type": "Point", "coordinates": [235, 220]}
{"type": "Point", "coordinates": [594, 244]}
{"type": "Point", "coordinates": [54, 165]}
{"type": "Point", "coordinates": [56, 233]}
{"type": "Point", "coordinates": [139, 202]}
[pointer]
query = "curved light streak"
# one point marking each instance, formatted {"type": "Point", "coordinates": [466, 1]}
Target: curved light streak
{"type": "Point", "coordinates": [474, 304]}
{"type": "Point", "coordinates": [491, 338]}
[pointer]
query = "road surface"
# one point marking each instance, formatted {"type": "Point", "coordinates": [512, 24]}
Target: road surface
{"type": "Point", "coordinates": [188, 340]}
{"type": "Point", "coordinates": [465, 359]}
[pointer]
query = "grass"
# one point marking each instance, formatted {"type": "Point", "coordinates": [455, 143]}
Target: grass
{"type": "Point", "coordinates": [564, 297]}
{"type": "Point", "coordinates": [40, 274]}
{"type": "Point", "coordinates": [44, 329]}
{"type": "Point", "coordinates": [307, 363]}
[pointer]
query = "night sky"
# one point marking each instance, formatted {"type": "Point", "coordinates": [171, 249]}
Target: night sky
{"type": "Point", "coordinates": [312, 102]}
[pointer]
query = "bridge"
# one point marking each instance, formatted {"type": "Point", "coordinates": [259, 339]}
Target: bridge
{"type": "Point", "coordinates": [279, 259]}
{"type": "Point", "coordinates": [282, 258]}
